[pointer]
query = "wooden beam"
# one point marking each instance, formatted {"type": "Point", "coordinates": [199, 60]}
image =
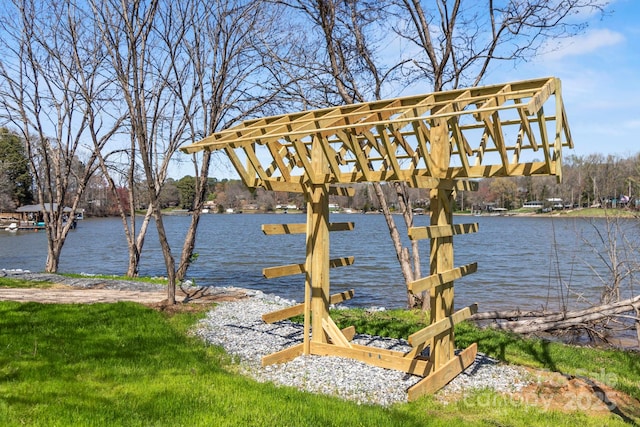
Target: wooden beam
{"type": "Point", "coordinates": [382, 358]}
{"type": "Point", "coordinates": [274, 229]}
{"type": "Point", "coordinates": [435, 231]}
{"type": "Point", "coordinates": [423, 335]}
{"type": "Point", "coordinates": [426, 283]}
{"type": "Point", "coordinates": [537, 101]}
{"type": "Point", "coordinates": [295, 310]}
{"type": "Point", "coordinates": [291, 269]}
{"type": "Point", "coordinates": [282, 356]}
{"type": "Point", "coordinates": [441, 377]}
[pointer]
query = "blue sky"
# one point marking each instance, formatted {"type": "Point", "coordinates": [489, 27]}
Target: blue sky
{"type": "Point", "coordinates": [600, 74]}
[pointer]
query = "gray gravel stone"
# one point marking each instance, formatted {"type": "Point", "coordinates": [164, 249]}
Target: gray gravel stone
{"type": "Point", "coordinates": [237, 326]}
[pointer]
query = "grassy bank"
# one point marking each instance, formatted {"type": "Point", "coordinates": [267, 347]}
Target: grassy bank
{"type": "Point", "coordinates": [125, 364]}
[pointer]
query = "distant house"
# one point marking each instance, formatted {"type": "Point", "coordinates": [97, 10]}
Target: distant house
{"type": "Point", "coordinates": [35, 213]}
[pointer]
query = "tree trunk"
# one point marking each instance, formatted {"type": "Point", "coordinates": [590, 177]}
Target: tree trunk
{"type": "Point", "coordinates": [190, 239]}
{"type": "Point", "coordinates": [401, 253]}
{"type": "Point", "coordinates": [168, 257]}
{"type": "Point", "coordinates": [559, 321]}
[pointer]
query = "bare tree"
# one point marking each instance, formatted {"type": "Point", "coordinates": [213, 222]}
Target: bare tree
{"type": "Point", "coordinates": [139, 47]}
{"type": "Point", "coordinates": [50, 80]}
{"type": "Point", "coordinates": [229, 82]}
{"type": "Point", "coordinates": [450, 43]}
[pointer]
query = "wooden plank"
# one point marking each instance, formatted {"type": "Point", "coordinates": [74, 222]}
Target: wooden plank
{"type": "Point", "coordinates": [382, 358]}
{"type": "Point", "coordinates": [282, 356]}
{"type": "Point", "coordinates": [295, 310]}
{"type": "Point", "coordinates": [426, 283]}
{"type": "Point", "coordinates": [435, 231]}
{"type": "Point", "coordinates": [334, 333]}
{"type": "Point", "coordinates": [443, 325]}
{"type": "Point", "coordinates": [273, 229]}
{"type": "Point", "coordinates": [291, 269]}
{"type": "Point", "coordinates": [438, 379]}
{"type": "Point", "coordinates": [541, 96]}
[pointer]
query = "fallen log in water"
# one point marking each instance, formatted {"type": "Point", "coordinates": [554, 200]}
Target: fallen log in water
{"type": "Point", "coordinates": [530, 322]}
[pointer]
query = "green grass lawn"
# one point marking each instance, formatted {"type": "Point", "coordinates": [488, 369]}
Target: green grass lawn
{"type": "Point", "coordinates": [126, 364]}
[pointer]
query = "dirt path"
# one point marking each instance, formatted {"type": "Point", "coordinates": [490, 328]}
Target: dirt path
{"type": "Point", "coordinates": [69, 295]}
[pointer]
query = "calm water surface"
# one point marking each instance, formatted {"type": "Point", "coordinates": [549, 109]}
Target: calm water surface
{"type": "Point", "coordinates": [522, 261]}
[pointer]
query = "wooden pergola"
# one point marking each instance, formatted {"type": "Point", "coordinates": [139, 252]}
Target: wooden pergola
{"type": "Point", "coordinates": [440, 141]}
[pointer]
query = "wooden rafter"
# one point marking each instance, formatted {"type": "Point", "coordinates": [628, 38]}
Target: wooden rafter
{"type": "Point", "coordinates": [395, 135]}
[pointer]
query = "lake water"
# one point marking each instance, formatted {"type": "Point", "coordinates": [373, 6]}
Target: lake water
{"type": "Point", "coordinates": [523, 262]}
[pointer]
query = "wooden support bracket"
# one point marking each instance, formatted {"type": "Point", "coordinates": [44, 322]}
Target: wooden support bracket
{"type": "Point", "coordinates": [291, 269]}
{"type": "Point", "coordinates": [295, 310]}
{"type": "Point", "coordinates": [273, 229]}
{"type": "Point", "coordinates": [435, 231]}
{"type": "Point", "coordinates": [429, 282]}
{"type": "Point", "coordinates": [334, 333]}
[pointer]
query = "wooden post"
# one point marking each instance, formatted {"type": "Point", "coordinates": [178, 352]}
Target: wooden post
{"type": "Point", "coordinates": [441, 255]}
{"type": "Point", "coordinates": [317, 261]}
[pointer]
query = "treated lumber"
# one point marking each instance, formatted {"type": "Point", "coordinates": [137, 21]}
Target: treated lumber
{"type": "Point", "coordinates": [282, 356]}
{"type": "Point", "coordinates": [295, 310]}
{"type": "Point", "coordinates": [443, 325]}
{"type": "Point", "coordinates": [435, 231]}
{"type": "Point", "coordinates": [441, 377]}
{"type": "Point", "coordinates": [434, 280]}
{"type": "Point", "coordinates": [349, 332]}
{"type": "Point", "coordinates": [381, 358]}
{"type": "Point", "coordinates": [334, 333]}
{"type": "Point", "coordinates": [274, 229]}
{"type": "Point", "coordinates": [291, 269]}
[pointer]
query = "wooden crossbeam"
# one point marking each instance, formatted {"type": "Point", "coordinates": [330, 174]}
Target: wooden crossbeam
{"type": "Point", "coordinates": [274, 229]}
{"type": "Point", "coordinates": [441, 377]}
{"type": "Point", "coordinates": [539, 98]}
{"type": "Point", "coordinates": [276, 185]}
{"type": "Point", "coordinates": [295, 310]}
{"type": "Point", "coordinates": [423, 335]}
{"type": "Point", "coordinates": [292, 269]}
{"type": "Point", "coordinates": [428, 282]}
{"type": "Point", "coordinates": [435, 231]}
{"type": "Point", "coordinates": [382, 358]}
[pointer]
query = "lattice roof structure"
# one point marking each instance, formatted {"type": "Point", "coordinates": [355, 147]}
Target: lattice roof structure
{"type": "Point", "coordinates": [489, 129]}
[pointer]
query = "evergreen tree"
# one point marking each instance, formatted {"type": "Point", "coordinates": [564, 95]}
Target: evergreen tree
{"type": "Point", "coordinates": [14, 172]}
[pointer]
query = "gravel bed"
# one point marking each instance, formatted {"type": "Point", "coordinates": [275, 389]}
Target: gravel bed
{"type": "Point", "coordinates": [237, 327]}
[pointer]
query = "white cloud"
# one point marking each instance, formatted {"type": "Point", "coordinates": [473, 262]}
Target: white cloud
{"type": "Point", "coordinates": [632, 124]}
{"type": "Point", "coordinates": [589, 42]}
